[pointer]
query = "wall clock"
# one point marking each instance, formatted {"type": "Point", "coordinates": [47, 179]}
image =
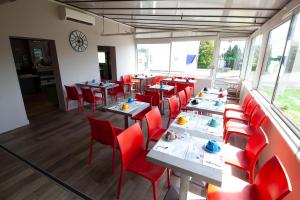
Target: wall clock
{"type": "Point", "coordinates": [78, 41]}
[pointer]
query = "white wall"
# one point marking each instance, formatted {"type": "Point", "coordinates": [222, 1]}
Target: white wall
{"type": "Point", "coordinates": [40, 19]}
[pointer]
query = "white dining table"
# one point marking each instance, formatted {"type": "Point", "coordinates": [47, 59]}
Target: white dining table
{"type": "Point", "coordinates": [206, 106]}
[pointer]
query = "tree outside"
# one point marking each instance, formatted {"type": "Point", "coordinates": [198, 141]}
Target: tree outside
{"type": "Point", "coordinates": [232, 57]}
{"type": "Point", "coordinates": [206, 54]}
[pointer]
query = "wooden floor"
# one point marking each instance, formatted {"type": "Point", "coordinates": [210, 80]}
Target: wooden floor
{"type": "Point", "coordinates": [58, 142]}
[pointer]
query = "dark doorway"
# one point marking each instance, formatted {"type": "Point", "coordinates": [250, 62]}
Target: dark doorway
{"type": "Point", "coordinates": [107, 62]}
{"type": "Point", "coordinates": [37, 69]}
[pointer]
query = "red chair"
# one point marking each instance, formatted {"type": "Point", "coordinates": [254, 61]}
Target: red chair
{"type": "Point", "coordinates": [271, 183]}
{"type": "Point", "coordinates": [192, 85]}
{"type": "Point", "coordinates": [181, 86]}
{"type": "Point", "coordinates": [89, 97]}
{"type": "Point", "coordinates": [240, 116]}
{"type": "Point", "coordinates": [237, 107]}
{"type": "Point", "coordinates": [127, 81]}
{"type": "Point", "coordinates": [73, 95]}
{"type": "Point", "coordinates": [141, 115]}
{"type": "Point", "coordinates": [117, 91]}
{"type": "Point", "coordinates": [182, 100]}
{"type": "Point", "coordinates": [256, 120]}
{"type": "Point", "coordinates": [133, 157]}
{"type": "Point", "coordinates": [155, 126]}
{"type": "Point", "coordinates": [188, 93]}
{"type": "Point", "coordinates": [103, 132]}
{"type": "Point", "coordinates": [168, 94]}
{"type": "Point", "coordinates": [246, 159]}
{"type": "Point", "coordinates": [173, 109]}
{"type": "Point", "coordinates": [155, 97]}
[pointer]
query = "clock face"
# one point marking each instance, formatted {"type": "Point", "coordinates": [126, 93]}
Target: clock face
{"type": "Point", "coordinates": [78, 41]}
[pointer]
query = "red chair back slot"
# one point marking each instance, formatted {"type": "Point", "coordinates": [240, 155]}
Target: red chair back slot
{"type": "Point", "coordinates": [131, 143]}
{"type": "Point", "coordinates": [272, 180]}
{"type": "Point", "coordinates": [102, 131]}
{"type": "Point", "coordinates": [72, 92]}
{"type": "Point", "coordinates": [87, 95]}
{"type": "Point", "coordinates": [254, 147]}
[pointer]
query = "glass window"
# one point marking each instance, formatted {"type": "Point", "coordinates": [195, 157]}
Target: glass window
{"type": "Point", "coordinates": [287, 96]}
{"type": "Point", "coordinates": [230, 58]}
{"type": "Point", "coordinates": [273, 55]}
{"type": "Point", "coordinates": [153, 57]}
{"type": "Point", "coordinates": [206, 57]}
{"type": "Point", "coordinates": [253, 58]}
{"type": "Point", "coordinates": [101, 57]}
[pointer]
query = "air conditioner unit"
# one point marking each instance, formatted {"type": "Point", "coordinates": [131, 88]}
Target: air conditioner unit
{"type": "Point", "coordinates": [77, 16]}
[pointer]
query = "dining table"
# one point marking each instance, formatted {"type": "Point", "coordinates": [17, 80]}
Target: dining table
{"type": "Point", "coordinates": [105, 86]}
{"type": "Point", "coordinates": [134, 108]}
{"type": "Point", "coordinates": [180, 80]}
{"type": "Point", "coordinates": [143, 79]}
{"type": "Point", "coordinates": [162, 88]}
{"type": "Point", "coordinates": [206, 106]}
{"type": "Point", "coordinates": [187, 155]}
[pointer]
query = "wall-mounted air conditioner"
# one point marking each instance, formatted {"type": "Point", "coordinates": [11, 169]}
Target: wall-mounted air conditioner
{"type": "Point", "coordinates": [77, 16]}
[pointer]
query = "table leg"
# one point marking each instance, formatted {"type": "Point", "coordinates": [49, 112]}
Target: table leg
{"type": "Point", "coordinates": [141, 86]}
{"type": "Point", "coordinates": [126, 121]}
{"type": "Point", "coordinates": [162, 102]}
{"type": "Point", "coordinates": [184, 186]}
{"type": "Point", "coordinates": [105, 96]}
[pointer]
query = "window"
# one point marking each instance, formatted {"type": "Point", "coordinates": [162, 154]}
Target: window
{"type": "Point", "coordinates": [273, 55]}
{"type": "Point", "coordinates": [101, 57]}
{"type": "Point", "coordinates": [190, 56]}
{"type": "Point", "coordinates": [153, 57]}
{"type": "Point", "coordinates": [253, 58]}
{"type": "Point", "coordinates": [287, 95]}
{"type": "Point", "coordinates": [230, 58]}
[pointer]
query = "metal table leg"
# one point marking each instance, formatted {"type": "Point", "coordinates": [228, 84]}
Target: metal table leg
{"type": "Point", "coordinates": [105, 96]}
{"type": "Point", "coordinates": [141, 91]}
{"type": "Point", "coordinates": [184, 186]}
{"type": "Point", "coordinates": [126, 121]}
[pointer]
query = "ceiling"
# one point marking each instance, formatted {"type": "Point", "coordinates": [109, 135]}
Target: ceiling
{"type": "Point", "coordinates": [200, 16]}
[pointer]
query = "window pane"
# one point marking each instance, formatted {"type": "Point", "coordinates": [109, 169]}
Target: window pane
{"type": "Point", "coordinates": [153, 57]}
{"type": "Point", "coordinates": [230, 58]}
{"type": "Point", "coordinates": [192, 56]}
{"type": "Point", "coordinates": [274, 52]}
{"type": "Point", "coordinates": [287, 97]}
{"type": "Point", "coordinates": [253, 58]}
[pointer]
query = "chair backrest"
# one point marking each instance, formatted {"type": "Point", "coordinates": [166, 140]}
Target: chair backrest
{"type": "Point", "coordinates": [247, 101]}
{"type": "Point", "coordinates": [126, 79]}
{"type": "Point", "coordinates": [257, 118]}
{"type": "Point", "coordinates": [181, 86]}
{"type": "Point", "coordinates": [119, 88]}
{"type": "Point", "coordinates": [155, 97]}
{"type": "Point", "coordinates": [182, 99]}
{"type": "Point", "coordinates": [102, 131]}
{"type": "Point", "coordinates": [250, 108]}
{"type": "Point", "coordinates": [144, 98]}
{"type": "Point", "coordinates": [188, 93]}
{"type": "Point", "coordinates": [272, 180]}
{"type": "Point", "coordinates": [87, 95]}
{"type": "Point", "coordinates": [154, 121]}
{"type": "Point", "coordinates": [131, 144]}
{"type": "Point", "coordinates": [173, 107]}
{"type": "Point", "coordinates": [72, 92]}
{"type": "Point", "coordinates": [254, 147]}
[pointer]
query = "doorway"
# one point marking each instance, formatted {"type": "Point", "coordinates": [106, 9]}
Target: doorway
{"type": "Point", "coordinates": [37, 69]}
{"type": "Point", "coordinates": [107, 62]}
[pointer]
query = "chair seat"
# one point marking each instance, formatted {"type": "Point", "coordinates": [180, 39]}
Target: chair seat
{"type": "Point", "coordinates": [236, 157]}
{"type": "Point", "coordinates": [157, 134]}
{"type": "Point", "coordinates": [234, 107]}
{"type": "Point", "coordinates": [242, 131]}
{"type": "Point", "coordinates": [235, 123]}
{"type": "Point", "coordinates": [232, 189]}
{"type": "Point", "coordinates": [145, 168]}
{"type": "Point", "coordinates": [236, 115]}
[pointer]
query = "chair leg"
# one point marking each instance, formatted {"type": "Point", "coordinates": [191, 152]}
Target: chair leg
{"type": "Point", "coordinates": [67, 104]}
{"type": "Point", "coordinates": [168, 177]}
{"type": "Point", "coordinates": [91, 151]}
{"type": "Point", "coordinates": [154, 190]}
{"type": "Point", "coordinates": [120, 184]}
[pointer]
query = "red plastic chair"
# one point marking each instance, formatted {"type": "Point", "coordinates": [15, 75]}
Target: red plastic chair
{"type": "Point", "coordinates": [127, 81]}
{"type": "Point", "coordinates": [173, 109]}
{"type": "Point", "coordinates": [141, 115]}
{"type": "Point", "coordinates": [181, 86]}
{"type": "Point", "coordinates": [182, 100]}
{"type": "Point", "coordinates": [89, 97]}
{"type": "Point", "coordinates": [237, 107]}
{"type": "Point", "coordinates": [256, 120]}
{"type": "Point", "coordinates": [133, 156]}
{"type": "Point", "coordinates": [271, 183]}
{"type": "Point", "coordinates": [117, 91]}
{"type": "Point", "coordinates": [246, 159]}
{"type": "Point", "coordinates": [241, 116]}
{"type": "Point", "coordinates": [188, 93]}
{"type": "Point", "coordinates": [168, 94]}
{"type": "Point", "coordinates": [155, 126]}
{"type": "Point", "coordinates": [192, 85]}
{"type": "Point", "coordinates": [155, 97]}
{"type": "Point", "coordinates": [103, 132]}
{"type": "Point", "coordinates": [73, 95]}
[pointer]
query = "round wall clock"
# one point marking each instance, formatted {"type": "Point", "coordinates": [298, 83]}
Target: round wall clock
{"type": "Point", "coordinates": [78, 41]}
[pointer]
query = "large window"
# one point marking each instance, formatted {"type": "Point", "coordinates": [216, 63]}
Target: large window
{"type": "Point", "coordinates": [273, 56]}
{"type": "Point", "coordinates": [253, 58]}
{"type": "Point", "coordinates": [154, 57]}
{"type": "Point", "coordinates": [230, 58]}
{"type": "Point", "coordinates": [287, 95]}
